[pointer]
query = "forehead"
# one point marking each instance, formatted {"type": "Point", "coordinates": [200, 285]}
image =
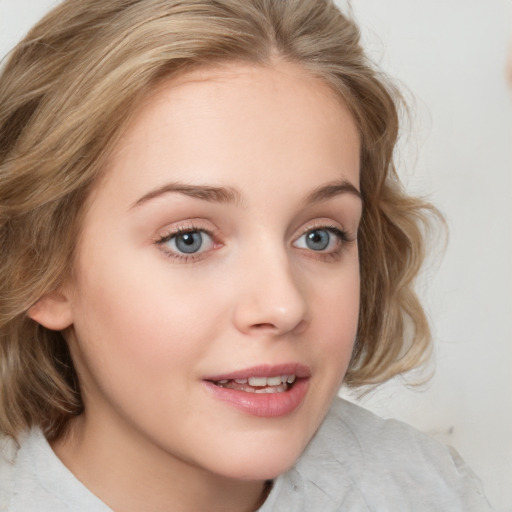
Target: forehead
{"type": "Point", "coordinates": [219, 125]}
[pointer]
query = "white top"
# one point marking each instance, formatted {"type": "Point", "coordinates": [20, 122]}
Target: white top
{"type": "Point", "coordinates": [356, 462]}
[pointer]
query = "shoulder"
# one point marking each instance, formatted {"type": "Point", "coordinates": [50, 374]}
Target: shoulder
{"type": "Point", "coordinates": [391, 445]}
{"type": "Point", "coordinates": [8, 452]}
{"type": "Point", "coordinates": [33, 479]}
{"type": "Point", "coordinates": [20, 488]}
{"type": "Point", "coordinates": [360, 462]}
{"type": "Point", "coordinates": [374, 439]}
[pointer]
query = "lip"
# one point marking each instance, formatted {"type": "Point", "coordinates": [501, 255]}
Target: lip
{"type": "Point", "coordinates": [301, 371]}
{"type": "Point", "coordinates": [265, 405]}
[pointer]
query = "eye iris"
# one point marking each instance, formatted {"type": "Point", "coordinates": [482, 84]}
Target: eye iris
{"type": "Point", "coordinates": [189, 242]}
{"type": "Point", "coordinates": [318, 240]}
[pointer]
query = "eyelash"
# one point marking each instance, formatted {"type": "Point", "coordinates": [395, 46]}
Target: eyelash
{"type": "Point", "coordinates": [343, 237]}
{"type": "Point", "coordinates": [183, 230]}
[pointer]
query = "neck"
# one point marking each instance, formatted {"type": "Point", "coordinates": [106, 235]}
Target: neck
{"type": "Point", "coordinates": [130, 475]}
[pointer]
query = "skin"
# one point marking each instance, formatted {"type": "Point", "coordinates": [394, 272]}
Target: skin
{"type": "Point", "coordinates": [145, 325]}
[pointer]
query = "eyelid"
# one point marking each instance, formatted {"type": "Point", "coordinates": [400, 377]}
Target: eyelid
{"type": "Point", "coordinates": [330, 229]}
{"type": "Point", "coordinates": [344, 238]}
{"type": "Point", "coordinates": [183, 226]}
{"type": "Point", "coordinates": [188, 226]}
{"type": "Point", "coordinates": [328, 225]}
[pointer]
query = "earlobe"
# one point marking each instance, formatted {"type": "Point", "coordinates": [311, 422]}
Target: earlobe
{"type": "Point", "coordinates": [52, 311]}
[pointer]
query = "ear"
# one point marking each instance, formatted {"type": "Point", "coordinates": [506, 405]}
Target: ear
{"type": "Point", "coordinates": [52, 311]}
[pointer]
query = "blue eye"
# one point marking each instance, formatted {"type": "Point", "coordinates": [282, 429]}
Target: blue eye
{"type": "Point", "coordinates": [320, 240]}
{"type": "Point", "coordinates": [190, 242]}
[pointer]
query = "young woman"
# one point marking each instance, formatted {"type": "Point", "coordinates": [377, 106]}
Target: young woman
{"type": "Point", "coordinates": [202, 238]}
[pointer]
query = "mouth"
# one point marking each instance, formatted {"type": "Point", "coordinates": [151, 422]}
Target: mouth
{"type": "Point", "coordinates": [278, 384]}
{"type": "Point", "coordinates": [264, 391]}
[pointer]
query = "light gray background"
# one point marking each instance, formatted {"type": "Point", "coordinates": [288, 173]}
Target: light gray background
{"type": "Point", "coordinates": [449, 55]}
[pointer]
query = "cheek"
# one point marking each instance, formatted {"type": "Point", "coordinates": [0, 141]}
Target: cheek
{"type": "Point", "coordinates": [335, 315]}
{"type": "Point", "coordinates": [136, 347]}
{"type": "Point", "coordinates": [129, 313]}
{"type": "Point", "coordinates": [336, 298]}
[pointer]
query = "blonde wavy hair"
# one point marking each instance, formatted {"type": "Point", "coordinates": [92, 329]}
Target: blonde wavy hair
{"type": "Point", "coordinates": [66, 92]}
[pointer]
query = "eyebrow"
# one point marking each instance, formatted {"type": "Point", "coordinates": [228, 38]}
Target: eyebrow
{"type": "Point", "coordinates": [204, 192]}
{"type": "Point", "coordinates": [230, 195]}
{"type": "Point", "coordinates": [332, 189]}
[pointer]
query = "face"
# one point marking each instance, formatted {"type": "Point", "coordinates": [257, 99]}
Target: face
{"type": "Point", "coordinates": [215, 296]}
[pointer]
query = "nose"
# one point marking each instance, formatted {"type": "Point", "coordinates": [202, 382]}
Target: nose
{"type": "Point", "coordinates": [269, 299]}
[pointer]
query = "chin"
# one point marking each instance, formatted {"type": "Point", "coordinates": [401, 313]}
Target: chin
{"type": "Point", "coordinates": [264, 462]}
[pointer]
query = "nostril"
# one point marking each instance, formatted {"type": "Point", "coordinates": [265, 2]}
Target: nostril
{"type": "Point", "coordinates": [264, 326]}
{"type": "Point", "coordinates": [273, 327]}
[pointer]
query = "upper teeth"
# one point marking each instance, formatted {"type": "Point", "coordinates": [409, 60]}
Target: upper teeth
{"type": "Point", "coordinates": [267, 381]}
